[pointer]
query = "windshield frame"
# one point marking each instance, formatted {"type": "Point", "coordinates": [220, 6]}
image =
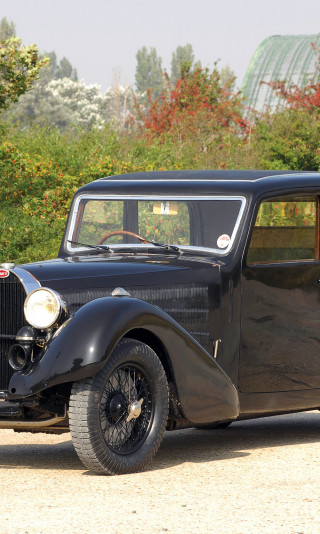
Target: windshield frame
{"type": "Point", "coordinates": [155, 197]}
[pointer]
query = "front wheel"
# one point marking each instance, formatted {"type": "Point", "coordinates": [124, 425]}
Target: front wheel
{"type": "Point", "coordinates": [118, 416]}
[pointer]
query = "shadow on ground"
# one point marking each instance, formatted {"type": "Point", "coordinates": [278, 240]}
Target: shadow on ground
{"type": "Point", "coordinates": [178, 447]}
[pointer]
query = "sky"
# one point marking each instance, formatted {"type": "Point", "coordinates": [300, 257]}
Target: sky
{"type": "Point", "coordinates": [101, 37]}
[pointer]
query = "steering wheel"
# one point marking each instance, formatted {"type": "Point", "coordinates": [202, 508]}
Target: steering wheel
{"type": "Point", "coordinates": [121, 232]}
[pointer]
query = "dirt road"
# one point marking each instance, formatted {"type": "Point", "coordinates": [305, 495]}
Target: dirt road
{"type": "Point", "coordinates": [255, 477]}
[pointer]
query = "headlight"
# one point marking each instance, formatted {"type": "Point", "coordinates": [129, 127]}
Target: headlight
{"type": "Point", "coordinates": [43, 308]}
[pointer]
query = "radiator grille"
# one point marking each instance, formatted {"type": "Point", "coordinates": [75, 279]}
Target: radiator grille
{"type": "Point", "coordinates": [12, 297]}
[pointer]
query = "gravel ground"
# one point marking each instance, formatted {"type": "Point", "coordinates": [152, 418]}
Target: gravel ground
{"type": "Point", "coordinates": [255, 477]}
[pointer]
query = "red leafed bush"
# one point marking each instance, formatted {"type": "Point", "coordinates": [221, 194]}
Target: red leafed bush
{"type": "Point", "coordinates": [198, 104]}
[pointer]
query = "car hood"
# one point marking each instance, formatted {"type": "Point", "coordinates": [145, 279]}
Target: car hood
{"type": "Point", "coordinates": [184, 288]}
{"type": "Point", "coordinates": [119, 270]}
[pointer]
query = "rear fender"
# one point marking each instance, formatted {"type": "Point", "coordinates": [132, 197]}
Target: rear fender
{"type": "Point", "coordinates": [82, 347]}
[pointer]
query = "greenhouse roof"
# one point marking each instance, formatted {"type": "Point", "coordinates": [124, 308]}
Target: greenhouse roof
{"type": "Point", "coordinates": [289, 58]}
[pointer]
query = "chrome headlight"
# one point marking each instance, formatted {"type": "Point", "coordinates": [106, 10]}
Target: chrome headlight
{"type": "Point", "coordinates": [43, 308]}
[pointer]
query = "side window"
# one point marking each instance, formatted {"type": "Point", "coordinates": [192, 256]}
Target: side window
{"type": "Point", "coordinates": [285, 230]}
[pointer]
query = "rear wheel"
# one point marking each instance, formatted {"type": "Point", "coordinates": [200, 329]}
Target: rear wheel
{"type": "Point", "coordinates": [118, 416]}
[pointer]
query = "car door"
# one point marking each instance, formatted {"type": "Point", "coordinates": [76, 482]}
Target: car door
{"type": "Point", "coordinates": [280, 326]}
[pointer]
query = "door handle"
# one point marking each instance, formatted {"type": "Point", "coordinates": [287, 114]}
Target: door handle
{"type": "Point", "coordinates": [216, 346]}
{"type": "Point", "coordinates": [317, 282]}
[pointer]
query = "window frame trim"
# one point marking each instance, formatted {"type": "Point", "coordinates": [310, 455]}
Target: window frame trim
{"type": "Point", "coordinates": [76, 213]}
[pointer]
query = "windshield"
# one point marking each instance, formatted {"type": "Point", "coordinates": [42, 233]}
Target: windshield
{"type": "Point", "coordinates": [200, 223]}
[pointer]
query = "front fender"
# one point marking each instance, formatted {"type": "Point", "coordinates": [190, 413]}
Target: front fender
{"type": "Point", "coordinates": [82, 347]}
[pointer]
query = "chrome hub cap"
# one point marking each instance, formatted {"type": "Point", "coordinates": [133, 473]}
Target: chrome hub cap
{"type": "Point", "coordinates": [134, 410]}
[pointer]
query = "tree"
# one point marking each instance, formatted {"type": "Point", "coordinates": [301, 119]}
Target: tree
{"type": "Point", "coordinates": [198, 105]}
{"type": "Point", "coordinates": [19, 68]}
{"type": "Point", "coordinates": [182, 60]}
{"type": "Point", "coordinates": [227, 76]}
{"type": "Point", "coordinates": [287, 140]}
{"type": "Point", "coordinates": [65, 102]}
{"type": "Point", "coordinates": [42, 104]}
{"type": "Point", "coordinates": [62, 103]}
{"type": "Point", "coordinates": [58, 70]}
{"type": "Point", "coordinates": [149, 75]}
{"type": "Point", "coordinates": [7, 29]}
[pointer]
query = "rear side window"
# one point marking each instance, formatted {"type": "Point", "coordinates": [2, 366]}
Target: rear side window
{"type": "Point", "coordinates": [285, 230]}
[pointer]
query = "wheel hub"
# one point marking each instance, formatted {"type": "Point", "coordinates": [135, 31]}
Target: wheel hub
{"type": "Point", "coordinates": [118, 405]}
{"type": "Point", "coordinates": [134, 410]}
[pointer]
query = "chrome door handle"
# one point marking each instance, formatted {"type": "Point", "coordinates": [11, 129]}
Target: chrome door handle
{"type": "Point", "coordinates": [216, 346]}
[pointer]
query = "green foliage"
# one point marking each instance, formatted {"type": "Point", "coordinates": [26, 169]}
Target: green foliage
{"type": "Point", "coordinates": [57, 70]}
{"type": "Point", "coordinates": [19, 68]}
{"type": "Point", "coordinates": [149, 74]}
{"type": "Point", "coordinates": [26, 239]}
{"type": "Point", "coordinates": [63, 69]}
{"type": "Point", "coordinates": [228, 77]}
{"type": "Point", "coordinates": [182, 60]}
{"type": "Point", "coordinates": [199, 108]}
{"type": "Point", "coordinates": [199, 123]}
{"type": "Point", "coordinates": [7, 29]}
{"type": "Point", "coordinates": [288, 140]}
{"type": "Point", "coordinates": [40, 170]}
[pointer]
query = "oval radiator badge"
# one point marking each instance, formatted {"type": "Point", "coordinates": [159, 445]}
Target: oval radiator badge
{"type": "Point", "coordinates": [4, 273]}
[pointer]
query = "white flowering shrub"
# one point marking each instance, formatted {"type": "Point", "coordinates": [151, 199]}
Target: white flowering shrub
{"type": "Point", "coordinates": [84, 104]}
{"type": "Point", "coordinates": [64, 102]}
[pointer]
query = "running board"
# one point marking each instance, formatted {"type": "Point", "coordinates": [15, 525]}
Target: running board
{"type": "Point", "coordinates": [30, 424]}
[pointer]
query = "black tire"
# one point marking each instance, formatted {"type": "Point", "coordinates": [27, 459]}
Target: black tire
{"type": "Point", "coordinates": [100, 405]}
{"type": "Point", "coordinates": [212, 426]}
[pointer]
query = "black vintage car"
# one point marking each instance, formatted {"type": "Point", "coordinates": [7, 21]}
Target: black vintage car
{"type": "Point", "coordinates": [179, 299]}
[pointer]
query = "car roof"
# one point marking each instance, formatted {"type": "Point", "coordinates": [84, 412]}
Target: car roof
{"type": "Point", "coordinates": [202, 182]}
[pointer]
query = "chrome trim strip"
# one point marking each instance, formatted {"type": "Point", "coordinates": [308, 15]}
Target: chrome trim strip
{"type": "Point", "coordinates": [182, 180]}
{"type": "Point", "coordinates": [158, 196]}
{"type": "Point", "coordinates": [28, 281]}
{"type": "Point", "coordinates": [201, 180]}
{"type": "Point", "coordinates": [214, 251]}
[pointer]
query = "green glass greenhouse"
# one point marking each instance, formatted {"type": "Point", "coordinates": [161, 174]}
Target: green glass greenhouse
{"type": "Point", "coordinates": [289, 58]}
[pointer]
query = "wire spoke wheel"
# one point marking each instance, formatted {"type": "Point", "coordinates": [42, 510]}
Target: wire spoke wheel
{"type": "Point", "coordinates": [126, 386]}
{"type": "Point", "coordinates": [118, 416]}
